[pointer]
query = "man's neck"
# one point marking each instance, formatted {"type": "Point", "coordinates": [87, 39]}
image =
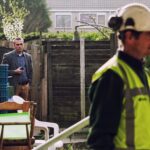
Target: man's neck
{"type": "Point", "coordinates": [19, 53]}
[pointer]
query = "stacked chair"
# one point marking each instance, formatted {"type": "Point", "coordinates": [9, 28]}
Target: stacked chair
{"type": "Point", "coordinates": [3, 82]}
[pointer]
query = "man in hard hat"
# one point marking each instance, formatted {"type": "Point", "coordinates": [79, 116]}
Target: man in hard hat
{"type": "Point", "coordinates": [120, 89]}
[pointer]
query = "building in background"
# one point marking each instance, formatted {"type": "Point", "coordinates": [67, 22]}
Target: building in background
{"type": "Point", "coordinates": [67, 14]}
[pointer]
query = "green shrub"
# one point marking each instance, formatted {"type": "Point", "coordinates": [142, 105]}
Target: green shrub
{"type": "Point", "coordinates": [93, 36]}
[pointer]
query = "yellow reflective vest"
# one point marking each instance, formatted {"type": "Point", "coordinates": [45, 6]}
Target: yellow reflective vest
{"type": "Point", "coordinates": [134, 127]}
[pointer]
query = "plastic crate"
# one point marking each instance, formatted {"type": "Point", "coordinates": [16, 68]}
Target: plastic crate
{"type": "Point", "coordinates": [3, 99]}
{"type": "Point", "coordinates": [3, 81]}
{"type": "Point", "coordinates": [3, 74]}
{"type": "Point", "coordinates": [3, 93]}
{"type": "Point", "coordinates": [3, 71]}
{"type": "Point", "coordinates": [4, 66]}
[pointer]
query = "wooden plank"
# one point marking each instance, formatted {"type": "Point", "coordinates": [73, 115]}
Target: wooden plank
{"type": "Point", "coordinates": [44, 90]}
{"type": "Point", "coordinates": [36, 79]}
{"type": "Point", "coordinates": [50, 82]}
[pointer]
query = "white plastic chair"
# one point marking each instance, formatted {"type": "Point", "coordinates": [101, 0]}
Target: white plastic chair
{"type": "Point", "coordinates": [46, 126]}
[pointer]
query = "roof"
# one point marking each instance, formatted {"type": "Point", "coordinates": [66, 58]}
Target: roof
{"type": "Point", "coordinates": [91, 4]}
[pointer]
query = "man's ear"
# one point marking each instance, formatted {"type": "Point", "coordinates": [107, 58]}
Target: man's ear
{"type": "Point", "coordinates": [130, 40]}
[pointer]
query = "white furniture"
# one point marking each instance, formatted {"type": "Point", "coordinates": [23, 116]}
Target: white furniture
{"type": "Point", "coordinates": [46, 127]}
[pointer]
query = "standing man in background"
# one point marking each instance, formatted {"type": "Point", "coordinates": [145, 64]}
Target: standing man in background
{"type": "Point", "coordinates": [120, 89]}
{"type": "Point", "coordinates": [20, 68]}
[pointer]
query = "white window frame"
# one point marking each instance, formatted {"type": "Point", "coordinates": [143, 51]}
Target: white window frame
{"type": "Point", "coordinates": [86, 13]}
{"type": "Point", "coordinates": [102, 14]}
{"type": "Point", "coordinates": [57, 14]}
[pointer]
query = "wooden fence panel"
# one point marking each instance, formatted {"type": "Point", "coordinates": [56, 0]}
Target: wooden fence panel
{"type": "Point", "coordinates": [64, 58]}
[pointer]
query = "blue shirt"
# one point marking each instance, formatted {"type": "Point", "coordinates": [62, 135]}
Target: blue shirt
{"type": "Point", "coordinates": [21, 63]}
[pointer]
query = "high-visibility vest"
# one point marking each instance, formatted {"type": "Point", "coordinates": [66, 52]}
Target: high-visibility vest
{"type": "Point", "coordinates": [134, 128]}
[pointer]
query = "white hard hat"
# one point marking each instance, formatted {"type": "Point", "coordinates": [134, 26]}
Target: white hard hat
{"type": "Point", "coordinates": [133, 16]}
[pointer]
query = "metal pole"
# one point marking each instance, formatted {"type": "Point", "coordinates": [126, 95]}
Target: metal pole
{"type": "Point", "coordinates": [82, 77]}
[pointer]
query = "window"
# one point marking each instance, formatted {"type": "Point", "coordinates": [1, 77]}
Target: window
{"type": "Point", "coordinates": [101, 19]}
{"type": "Point", "coordinates": [63, 20]}
{"type": "Point", "coordinates": [88, 18]}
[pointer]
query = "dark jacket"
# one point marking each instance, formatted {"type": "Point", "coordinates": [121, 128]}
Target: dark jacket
{"type": "Point", "coordinates": [10, 58]}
